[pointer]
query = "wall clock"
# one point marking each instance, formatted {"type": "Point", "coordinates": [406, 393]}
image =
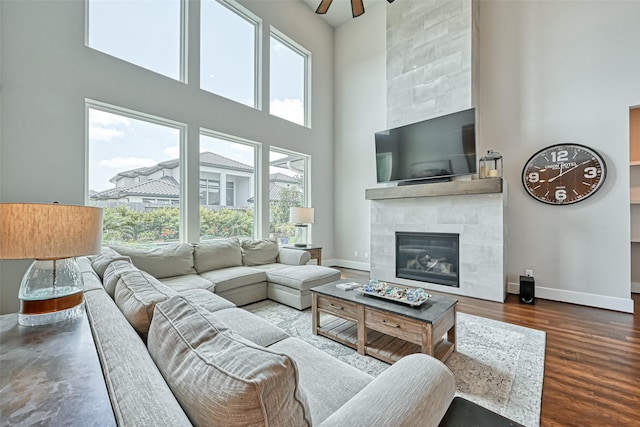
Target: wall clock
{"type": "Point", "coordinates": [563, 174]}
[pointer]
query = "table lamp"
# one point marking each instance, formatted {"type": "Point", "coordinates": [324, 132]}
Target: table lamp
{"type": "Point", "coordinates": [301, 217]}
{"type": "Point", "coordinates": [51, 234]}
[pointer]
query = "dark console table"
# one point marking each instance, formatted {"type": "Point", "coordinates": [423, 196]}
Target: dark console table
{"type": "Point", "coordinates": [464, 413]}
{"type": "Point", "coordinates": [51, 375]}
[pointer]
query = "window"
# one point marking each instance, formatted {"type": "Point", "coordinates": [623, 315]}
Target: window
{"type": "Point", "coordinates": [288, 184]}
{"type": "Point", "coordinates": [209, 192]}
{"type": "Point", "coordinates": [228, 54]}
{"type": "Point", "coordinates": [145, 33]}
{"type": "Point", "coordinates": [231, 195]}
{"type": "Point", "coordinates": [227, 163]}
{"type": "Point", "coordinates": [289, 71]}
{"type": "Point", "coordinates": [134, 174]}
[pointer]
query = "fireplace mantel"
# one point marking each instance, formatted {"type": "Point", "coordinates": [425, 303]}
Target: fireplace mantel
{"type": "Point", "coordinates": [452, 188]}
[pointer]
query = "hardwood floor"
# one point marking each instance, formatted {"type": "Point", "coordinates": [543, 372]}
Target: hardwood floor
{"type": "Point", "coordinates": [592, 361]}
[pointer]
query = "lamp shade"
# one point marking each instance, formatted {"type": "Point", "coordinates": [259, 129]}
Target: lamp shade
{"type": "Point", "coordinates": [301, 215]}
{"type": "Point", "coordinates": [49, 231]}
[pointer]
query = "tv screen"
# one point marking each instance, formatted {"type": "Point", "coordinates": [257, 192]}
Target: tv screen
{"type": "Point", "coordinates": [434, 149]}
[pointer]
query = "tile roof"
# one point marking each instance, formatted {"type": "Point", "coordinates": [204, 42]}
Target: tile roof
{"type": "Point", "coordinates": [206, 158]}
{"type": "Point", "coordinates": [167, 186]}
{"type": "Point", "coordinates": [280, 177]}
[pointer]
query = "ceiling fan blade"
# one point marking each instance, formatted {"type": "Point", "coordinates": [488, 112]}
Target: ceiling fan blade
{"type": "Point", "coordinates": [323, 6]}
{"type": "Point", "coordinates": [357, 8]}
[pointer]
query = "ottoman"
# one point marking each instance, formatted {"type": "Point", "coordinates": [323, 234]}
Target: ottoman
{"type": "Point", "coordinates": [290, 285]}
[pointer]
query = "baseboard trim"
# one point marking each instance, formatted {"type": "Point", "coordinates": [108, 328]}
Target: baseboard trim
{"type": "Point", "coordinates": [363, 266]}
{"type": "Point", "coordinates": [635, 287]}
{"type": "Point", "coordinates": [580, 298]}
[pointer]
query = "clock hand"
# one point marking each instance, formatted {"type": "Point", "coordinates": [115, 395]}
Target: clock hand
{"type": "Point", "coordinates": [568, 170]}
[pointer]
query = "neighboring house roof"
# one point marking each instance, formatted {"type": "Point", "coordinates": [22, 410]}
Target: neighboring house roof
{"type": "Point", "coordinates": [275, 192]}
{"type": "Point", "coordinates": [280, 177]}
{"type": "Point", "coordinates": [166, 186]}
{"type": "Point", "coordinates": [207, 158]}
{"type": "Point", "coordinates": [212, 159]}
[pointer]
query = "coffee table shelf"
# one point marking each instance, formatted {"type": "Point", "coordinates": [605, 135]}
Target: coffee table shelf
{"type": "Point", "coordinates": [382, 329]}
{"type": "Point", "coordinates": [381, 346]}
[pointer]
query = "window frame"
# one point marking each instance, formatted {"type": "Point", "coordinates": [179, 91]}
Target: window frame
{"type": "Point", "coordinates": [183, 67]}
{"type": "Point", "coordinates": [257, 174]}
{"type": "Point", "coordinates": [306, 54]}
{"type": "Point", "coordinates": [244, 13]}
{"type": "Point", "coordinates": [182, 129]}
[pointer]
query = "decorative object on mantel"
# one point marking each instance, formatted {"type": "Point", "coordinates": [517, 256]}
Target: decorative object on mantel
{"type": "Point", "coordinates": [357, 7]}
{"type": "Point", "coordinates": [491, 165]}
{"type": "Point", "coordinates": [563, 174]}
{"type": "Point", "coordinates": [51, 234]}
{"type": "Point", "coordinates": [301, 217]}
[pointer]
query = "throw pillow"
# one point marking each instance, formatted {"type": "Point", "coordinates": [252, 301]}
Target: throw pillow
{"type": "Point", "coordinates": [112, 275]}
{"type": "Point", "coordinates": [137, 294]}
{"type": "Point", "coordinates": [165, 261]}
{"type": "Point", "coordinates": [217, 254]}
{"type": "Point", "coordinates": [259, 252]}
{"type": "Point", "coordinates": [219, 378]}
{"type": "Point", "coordinates": [106, 256]}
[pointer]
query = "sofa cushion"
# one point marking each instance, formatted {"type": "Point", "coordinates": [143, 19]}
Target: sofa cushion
{"type": "Point", "coordinates": [138, 393]}
{"type": "Point", "coordinates": [90, 278]}
{"type": "Point", "coordinates": [210, 301]}
{"type": "Point", "coordinates": [221, 379]}
{"type": "Point", "coordinates": [106, 256]}
{"type": "Point", "coordinates": [165, 261]}
{"type": "Point", "coordinates": [251, 327]}
{"type": "Point", "coordinates": [217, 254]}
{"type": "Point", "coordinates": [188, 281]}
{"type": "Point", "coordinates": [318, 373]}
{"type": "Point", "coordinates": [302, 277]}
{"type": "Point", "coordinates": [112, 275]}
{"type": "Point", "coordinates": [259, 252]}
{"type": "Point", "coordinates": [234, 277]}
{"type": "Point", "coordinates": [137, 294]}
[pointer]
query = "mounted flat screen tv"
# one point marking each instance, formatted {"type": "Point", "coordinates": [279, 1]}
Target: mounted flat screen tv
{"type": "Point", "coordinates": [431, 150]}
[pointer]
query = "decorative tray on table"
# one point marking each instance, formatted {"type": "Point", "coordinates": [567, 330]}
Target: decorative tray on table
{"type": "Point", "coordinates": [404, 294]}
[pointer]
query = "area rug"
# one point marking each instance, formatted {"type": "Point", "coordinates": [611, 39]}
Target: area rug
{"type": "Point", "coordinates": [497, 365]}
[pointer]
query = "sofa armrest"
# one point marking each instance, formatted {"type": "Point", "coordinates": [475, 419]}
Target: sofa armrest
{"type": "Point", "coordinates": [416, 390]}
{"type": "Point", "coordinates": [293, 256]}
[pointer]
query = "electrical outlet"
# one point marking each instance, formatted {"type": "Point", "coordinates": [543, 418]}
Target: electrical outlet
{"type": "Point", "coordinates": [355, 254]}
{"type": "Point", "coordinates": [528, 272]}
{"type": "Point", "coordinates": [366, 255]}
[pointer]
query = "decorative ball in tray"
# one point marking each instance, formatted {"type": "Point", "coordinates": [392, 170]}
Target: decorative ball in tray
{"type": "Point", "coordinates": [399, 293]}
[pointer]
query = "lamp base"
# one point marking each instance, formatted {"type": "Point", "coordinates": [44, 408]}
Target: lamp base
{"type": "Point", "coordinates": [301, 235]}
{"type": "Point", "coordinates": [53, 317]}
{"type": "Point", "coordinates": [51, 291]}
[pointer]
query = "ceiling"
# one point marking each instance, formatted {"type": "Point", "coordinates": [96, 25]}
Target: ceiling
{"type": "Point", "coordinates": [340, 10]}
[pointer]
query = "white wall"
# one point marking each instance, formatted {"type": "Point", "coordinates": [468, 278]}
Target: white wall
{"type": "Point", "coordinates": [47, 73]}
{"type": "Point", "coordinates": [550, 72]}
{"type": "Point", "coordinates": [360, 111]}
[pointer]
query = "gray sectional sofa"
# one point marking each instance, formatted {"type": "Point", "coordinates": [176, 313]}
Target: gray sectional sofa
{"type": "Point", "coordinates": [176, 350]}
{"type": "Point", "coordinates": [240, 270]}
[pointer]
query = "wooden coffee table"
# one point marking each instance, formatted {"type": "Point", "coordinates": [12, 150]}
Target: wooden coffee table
{"type": "Point", "coordinates": [386, 330]}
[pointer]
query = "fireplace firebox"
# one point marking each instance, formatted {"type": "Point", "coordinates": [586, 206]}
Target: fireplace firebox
{"type": "Point", "coordinates": [428, 257]}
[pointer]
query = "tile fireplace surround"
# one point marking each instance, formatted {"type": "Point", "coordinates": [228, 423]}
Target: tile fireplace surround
{"type": "Point", "coordinates": [474, 209]}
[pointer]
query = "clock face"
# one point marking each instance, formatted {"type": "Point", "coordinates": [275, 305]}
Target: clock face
{"type": "Point", "coordinates": [563, 174]}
